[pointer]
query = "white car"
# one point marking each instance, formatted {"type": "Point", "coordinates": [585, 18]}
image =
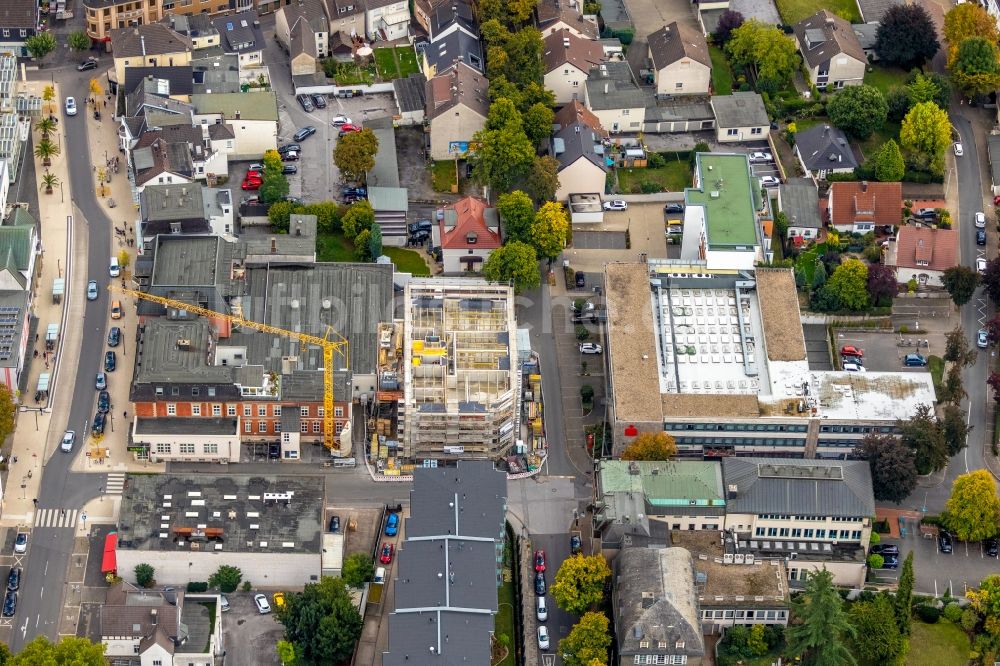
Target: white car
{"type": "Point", "coordinates": [543, 637]}
{"type": "Point", "coordinates": [591, 348]}
{"type": "Point", "coordinates": [982, 339]}
{"type": "Point", "coordinates": [981, 265]}
{"type": "Point", "coordinates": [67, 441]}
{"type": "Point", "coordinates": [959, 151]}
{"type": "Point", "coordinates": [616, 204]}
{"type": "Point", "coordinates": [341, 120]}
{"type": "Point", "coordinates": [854, 367]}
{"type": "Point", "coordinates": [223, 603]}
{"type": "Point", "coordinates": [761, 156]}
{"type": "Point", "coordinates": [70, 106]}
{"type": "Point", "coordinates": [769, 181]}
{"type": "Point", "coordinates": [21, 542]}
{"type": "Point", "coordinates": [980, 220]}
{"type": "Point", "coordinates": [262, 606]}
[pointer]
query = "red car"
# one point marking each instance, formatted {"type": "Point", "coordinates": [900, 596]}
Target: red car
{"type": "Point", "coordinates": [252, 183]}
{"type": "Point", "coordinates": [253, 175]}
{"type": "Point", "coordinates": [345, 129]}
{"type": "Point", "coordinates": [851, 350]}
{"type": "Point", "coordinates": [386, 556]}
{"type": "Point", "coordinates": [539, 560]}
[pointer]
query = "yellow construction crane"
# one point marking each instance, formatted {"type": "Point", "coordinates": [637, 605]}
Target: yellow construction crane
{"type": "Point", "coordinates": [329, 347]}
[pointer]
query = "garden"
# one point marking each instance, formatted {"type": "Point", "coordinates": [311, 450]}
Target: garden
{"type": "Point", "coordinates": [665, 172]}
{"type": "Point", "coordinates": [793, 11]}
{"type": "Point", "coordinates": [395, 62]}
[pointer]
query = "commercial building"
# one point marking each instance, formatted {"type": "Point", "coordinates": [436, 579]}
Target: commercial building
{"type": "Point", "coordinates": [445, 597]}
{"type": "Point", "coordinates": [17, 112]}
{"type": "Point", "coordinates": [461, 380]}
{"type": "Point", "coordinates": [268, 526]}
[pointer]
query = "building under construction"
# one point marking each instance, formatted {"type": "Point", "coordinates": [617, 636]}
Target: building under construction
{"type": "Point", "coordinates": [459, 367]}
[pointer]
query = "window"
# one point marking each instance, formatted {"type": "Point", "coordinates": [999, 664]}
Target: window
{"type": "Point", "coordinates": [195, 410]}
{"type": "Point", "coordinates": [195, 390]}
{"type": "Point", "coordinates": [625, 112]}
{"type": "Point", "coordinates": [261, 410]}
{"type": "Point", "coordinates": [276, 410]}
{"type": "Point", "coordinates": [808, 533]}
{"type": "Point", "coordinates": [796, 532]}
{"type": "Point", "coordinates": [230, 410]}
{"type": "Point", "coordinates": [247, 410]}
{"type": "Point", "coordinates": [261, 426]}
{"type": "Point", "coordinates": [732, 132]}
{"type": "Point", "coordinates": [163, 447]}
{"type": "Point", "coordinates": [772, 531]}
{"type": "Point", "coordinates": [756, 130]}
{"type": "Point", "coordinates": [783, 532]}
{"type": "Point", "coordinates": [338, 412]}
{"type": "Point", "coordinates": [759, 532]}
{"type": "Point", "coordinates": [643, 645]}
{"type": "Point", "coordinates": [820, 534]}
{"type": "Point", "coordinates": [210, 447]}
{"type": "Point", "coordinates": [24, 33]}
{"type": "Point", "coordinates": [277, 426]}
{"type": "Point", "coordinates": [248, 426]}
{"type": "Point", "coordinates": [175, 390]}
{"type": "Point", "coordinates": [679, 85]}
{"type": "Point", "coordinates": [216, 410]}
{"type": "Point", "coordinates": [6, 32]}
{"type": "Point", "coordinates": [187, 448]}
{"type": "Point", "coordinates": [171, 409]}
{"type": "Point", "coordinates": [856, 535]}
{"type": "Point", "coordinates": [321, 412]}
{"type": "Point", "coordinates": [316, 427]}
{"type": "Point", "coordinates": [304, 411]}
{"type": "Point", "coordinates": [303, 427]}
{"type": "Point", "coordinates": [844, 534]}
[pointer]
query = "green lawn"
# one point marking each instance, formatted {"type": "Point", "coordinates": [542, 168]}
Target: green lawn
{"type": "Point", "coordinates": [885, 78]}
{"type": "Point", "coordinates": [395, 62]}
{"type": "Point", "coordinates": [443, 175]}
{"type": "Point", "coordinates": [407, 261]}
{"type": "Point", "coordinates": [334, 247]}
{"type": "Point", "coordinates": [722, 75]}
{"type": "Point", "coordinates": [793, 11]}
{"type": "Point", "coordinates": [807, 264]}
{"type": "Point", "coordinates": [936, 365]}
{"type": "Point", "coordinates": [889, 131]}
{"type": "Point", "coordinates": [504, 623]}
{"type": "Point", "coordinates": [349, 74]}
{"type": "Point", "coordinates": [407, 61]}
{"type": "Point", "coordinates": [673, 177]}
{"type": "Point", "coordinates": [940, 643]}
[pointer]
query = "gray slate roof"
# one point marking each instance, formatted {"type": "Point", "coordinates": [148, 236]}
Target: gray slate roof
{"type": "Point", "coordinates": [410, 93]}
{"type": "Point", "coordinates": [611, 86]}
{"type": "Point", "coordinates": [824, 35]}
{"type": "Point", "coordinates": [675, 41]}
{"type": "Point", "coordinates": [177, 80]}
{"type": "Point", "coordinates": [151, 39]}
{"type": "Point", "coordinates": [872, 11]}
{"type": "Point", "coordinates": [741, 109]}
{"type": "Point", "coordinates": [803, 487]}
{"type": "Point", "coordinates": [456, 46]}
{"type": "Point", "coordinates": [19, 14]}
{"type": "Point", "coordinates": [865, 32]}
{"type": "Point", "coordinates": [576, 141]}
{"type": "Point", "coordinates": [825, 147]}
{"type": "Point", "coordinates": [240, 33]}
{"type": "Point", "coordinates": [800, 203]}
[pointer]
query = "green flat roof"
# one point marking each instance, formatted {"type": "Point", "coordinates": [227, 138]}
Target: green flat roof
{"type": "Point", "coordinates": [675, 483]}
{"type": "Point", "coordinates": [729, 217]}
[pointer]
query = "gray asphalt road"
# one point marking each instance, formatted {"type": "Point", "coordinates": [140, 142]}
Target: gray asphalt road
{"type": "Point", "coordinates": [42, 585]}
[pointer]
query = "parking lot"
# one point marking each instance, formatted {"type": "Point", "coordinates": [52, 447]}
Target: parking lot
{"type": "Point", "coordinates": [884, 350]}
{"type": "Point", "coordinates": [247, 636]}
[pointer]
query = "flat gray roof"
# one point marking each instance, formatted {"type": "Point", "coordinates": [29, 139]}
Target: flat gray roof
{"type": "Point", "coordinates": [186, 261]}
{"type": "Point", "coordinates": [230, 512]}
{"type": "Point", "coordinates": [469, 500]}
{"type": "Point", "coordinates": [385, 173]}
{"type": "Point", "coordinates": [181, 425]}
{"type": "Point", "coordinates": [164, 361]}
{"type": "Point", "coordinates": [803, 487]}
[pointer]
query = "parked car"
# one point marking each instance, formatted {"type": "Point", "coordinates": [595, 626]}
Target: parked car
{"type": "Point", "coordinates": [86, 65]}
{"type": "Point", "coordinates": [944, 542]}
{"type": "Point", "coordinates": [539, 560]}
{"type": "Point", "coordinates": [959, 151]}
{"type": "Point", "coordinates": [334, 524]}
{"type": "Point", "coordinates": [914, 361]}
{"type": "Point", "coordinates": [980, 220]}
{"type": "Point", "coordinates": [290, 156]}
{"type": "Point", "coordinates": [981, 264]}
{"type": "Point", "coordinates": [289, 169]}
{"type": "Point", "coordinates": [392, 524]}
{"type": "Point", "coordinates": [761, 156]}
{"type": "Point", "coordinates": [591, 348]}
{"type": "Point", "coordinates": [101, 382]}
{"type": "Point", "coordinates": [103, 402]}
{"type": "Point", "coordinates": [306, 102]}
{"type": "Point", "coordinates": [279, 599]}
{"type": "Point", "coordinates": [991, 547]}
{"type": "Point", "coordinates": [14, 579]}
{"type": "Point", "coordinates": [10, 604]}
{"type": "Point", "coordinates": [385, 557]}
{"type": "Point", "coordinates": [844, 360]}
{"type": "Point", "coordinates": [116, 309]}
{"type": "Point", "coordinates": [890, 562]}
{"type": "Point", "coordinates": [252, 174]}
{"type": "Point", "coordinates": [289, 147]}
{"type": "Point", "coordinates": [926, 213]}
{"type": "Point", "coordinates": [100, 420]}
{"type": "Point", "coordinates": [92, 290]}
{"type": "Point", "coordinates": [252, 184]}
{"type": "Point", "coordinates": [541, 609]}
{"type": "Point", "coordinates": [70, 106]}
{"type": "Point", "coordinates": [982, 339]}
{"type": "Point", "coordinates": [319, 101]}
{"type": "Point", "coordinates": [851, 350]}
{"type": "Point", "coordinates": [616, 204]}
{"type": "Point", "coordinates": [304, 133]}
{"type": "Point", "coordinates": [114, 336]}
{"type": "Point", "coordinates": [543, 637]}
{"type": "Point", "coordinates": [575, 544]}
{"type": "Point", "coordinates": [980, 236]}
{"type": "Point", "coordinates": [363, 192]}
{"type": "Point", "coordinates": [673, 208]}
{"type": "Point", "coordinates": [418, 226]}
{"type": "Point", "coordinates": [580, 279]}
{"type": "Point", "coordinates": [69, 438]}
{"type": "Point", "coordinates": [21, 542]}
{"type": "Point", "coordinates": [419, 238]}
{"type": "Point", "coordinates": [540, 585]}
{"type": "Point", "coordinates": [110, 361]}
{"type": "Point", "coordinates": [347, 128]}
{"type": "Point", "coordinates": [885, 549]}
{"type": "Point", "coordinates": [340, 121]}
{"type": "Point", "coordinates": [769, 181]}
{"type": "Point", "coordinates": [223, 603]}
{"type": "Point", "coordinates": [261, 602]}
{"type": "Point", "coordinates": [853, 367]}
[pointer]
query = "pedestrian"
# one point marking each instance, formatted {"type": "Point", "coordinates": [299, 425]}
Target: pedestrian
{"type": "Point", "coordinates": [105, 103]}
{"type": "Point", "coordinates": [36, 337]}
{"type": "Point", "coordinates": [35, 501]}
{"type": "Point", "coordinates": [125, 414]}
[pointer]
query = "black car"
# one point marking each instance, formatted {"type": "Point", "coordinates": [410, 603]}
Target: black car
{"type": "Point", "coordinates": [289, 147]}
{"type": "Point", "coordinates": [304, 133]}
{"type": "Point", "coordinates": [87, 64]}
{"type": "Point", "coordinates": [274, 451]}
{"type": "Point", "coordinates": [306, 102]}
{"type": "Point", "coordinates": [944, 542]}
{"type": "Point", "coordinates": [885, 549]}
{"type": "Point", "coordinates": [418, 238]}
{"type": "Point", "coordinates": [110, 361]}
{"type": "Point", "coordinates": [991, 547]}
{"type": "Point", "coordinates": [114, 336]}
{"type": "Point", "coordinates": [580, 279]}
{"type": "Point", "coordinates": [103, 402]}
{"type": "Point", "coordinates": [289, 169]}
{"type": "Point", "coordinates": [10, 604]}
{"type": "Point", "coordinates": [350, 199]}
{"type": "Point", "coordinates": [290, 156]}
{"type": "Point", "coordinates": [357, 192]}
{"type": "Point", "coordinates": [100, 420]}
{"type": "Point", "coordinates": [673, 208]}
{"type": "Point", "coordinates": [980, 236]}
{"type": "Point", "coordinates": [319, 101]}
{"type": "Point", "coordinates": [540, 586]}
{"type": "Point", "coordinates": [335, 524]}
{"type": "Point", "coordinates": [14, 579]}
{"type": "Point", "coordinates": [421, 225]}
{"type": "Point", "coordinates": [890, 562]}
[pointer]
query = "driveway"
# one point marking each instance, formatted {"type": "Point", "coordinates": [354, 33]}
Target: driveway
{"type": "Point", "coordinates": [247, 636]}
{"type": "Point", "coordinates": [935, 571]}
{"type": "Point", "coordinates": [649, 16]}
{"type": "Point", "coordinates": [817, 347]}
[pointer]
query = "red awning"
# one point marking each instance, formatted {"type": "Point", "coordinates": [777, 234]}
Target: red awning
{"type": "Point", "coordinates": [109, 564]}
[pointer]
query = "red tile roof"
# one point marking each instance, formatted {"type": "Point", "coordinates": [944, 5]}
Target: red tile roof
{"type": "Point", "coordinates": [881, 203]}
{"type": "Point", "coordinates": [574, 112]}
{"type": "Point", "coordinates": [927, 249]}
{"type": "Point", "coordinates": [469, 219]}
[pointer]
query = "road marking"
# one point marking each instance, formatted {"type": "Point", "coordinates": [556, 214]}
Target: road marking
{"type": "Point", "coordinates": [56, 517]}
{"type": "Point", "coordinates": [115, 484]}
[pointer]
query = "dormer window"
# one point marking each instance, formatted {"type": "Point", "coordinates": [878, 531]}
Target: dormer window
{"type": "Point", "coordinates": [471, 238]}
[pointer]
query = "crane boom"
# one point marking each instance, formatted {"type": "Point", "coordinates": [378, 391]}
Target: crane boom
{"type": "Point", "coordinates": [329, 347]}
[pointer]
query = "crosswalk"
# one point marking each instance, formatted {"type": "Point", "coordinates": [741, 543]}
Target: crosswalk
{"type": "Point", "coordinates": [56, 517]}
{"type": "Point", "coordinates": [115, 485]}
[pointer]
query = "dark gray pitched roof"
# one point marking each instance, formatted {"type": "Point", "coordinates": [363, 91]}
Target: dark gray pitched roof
{"type": "Point", "coordinates": [800, 203]}
{"type": "Point", "coordinates": [410, 92]}
{"type": "Point", "coordinates": [824, 35]}
{"type": "Point", "coordinates": [19, 14]}
{"type": "Point", "coordinates": [741, 109]}
{"type": "Point", "coordinates": [481, 493]}
{"type": "Point", "coordinates": [872, 11]}
{"type": "Point", "coordinates": [152, 39]}
{"type": "Point", "coordinates": [449, 13]}
{"type": "Point", "coordinates": [240, 33]}
{"type": "Point", "coordinates": [457, 45]}
{"type": "Point", "coordinates": [865, 32]}
{"type": "Point", "coordinates": [825, 147]}
{"type": "Point", "coordinates": [675, 41]}
{"type": "Point", "coordinates": [179, 80]}
{"type": "Point", "coordinates": [801, 487]}
{"type": "Point", "coordinates": [575, 141]}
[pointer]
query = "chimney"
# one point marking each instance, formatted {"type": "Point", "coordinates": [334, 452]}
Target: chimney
{"type": "Point", "coordinates": [237, 114]}
{"type": "Point", "coordinates": [298, 228]}
{"type": "Point", "coordinates": [152, 616]}
{"type": "Point", "coordinates": [274, 245]}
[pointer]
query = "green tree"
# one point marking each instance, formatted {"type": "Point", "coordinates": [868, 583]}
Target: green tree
{"type": "Point", "coordinates": [503, 114]}
{"type": "Point", "coordinates": [849, 285]}
{"type": "Point", "coordinates": [925, 134]}
{"type": "Point", "coordinates": [973, 510]}
{"type": "Point", "coordinates": [951, 390]}
{"type": "Point", "coordinates": [226, 578]}
{"type": "Point", "coordinates": [71, 651]}
{"type": "Point", "coordinates": [274, 187]}
{"type": "Point", "coordinates": [894, 474]}
{"type": "Point", "coordinates": [517, 213]}
{"type": "Point", "coordinates": [579, 583]}
{"type": "Point", "coordinates": [986, 601]}
{"type": "Point", "coordinates": [286, 653]}
{"type": "Point", "coordinates": [355, 154]}
{"type": "Point", "coordinates": [766, 52]}
{"type": "Point", "coordinates": [930, 87]}
{"type": "Point", "coordinates": [538, 121]}
{"type": "Point", "coordinates": [588, 641]}
{"type": "Point", "coordinates": [359, 217]}
{"type": "Point", "coordinates": [358, 568]}
{"type": "Point", "coordinates": [46, 126]}
{"type": "Point", "coordinates": [650, 446]}
{"type": "Point", "coordinates": [965, 21]}
{"type": "Point", "coordinates": [906, 37]}
{"type": "Point", "coordinates": [40, 45]}
{"type": "Point", "coordinates": [516, 56]}
{"type": "Point", "coordinates": [542, 180]}
{"type": "Point", "coordinates": [321, 622]}
{"type": "Point", "coordinates": [327, 215]}
{"type": "Point", "coordinates": [903, 601]}
{"type": "Point", "coordinates": [45, 151]}
{"type": "Point", "coordinates": [923, 436]}
{"type": "Point", "coordinates": [953, 423]}
{"type": "Point", "coordinates": [975, 69]}
{"type": "Point", "coordinates": [550, 229]}
{"type": "Point", "coordinates": [279, 213]}
{"type": "Point", "coordinates": [78, 41]}
{"type": "Point", "coordinates": [524, 96]}
{"type": "Point", "coordinates": [858, 110]}
{"type": "Point", "coordinates": [875, 561]}
{"type": "Point", "coordinates": [362, 245]}
{"type": "Point", "coordinates": [961, 282]}
{"type": "Point", "coordinates": [144, 575]}
{"type": "Point", "coordinates": [897, 98]}
{"type": "Point", "coordinates": [819, 275]}
{"type": "Point", "coordinates": [515, 262]}
{"type": "Point", "coordinates": [821, 633]}
{"type": "Point", "coordinates": [375, 242]}
{"type": "Point", "coordinates": [889, 165]}
{"type": "Point", "coordinates": [502, 157]}
{"type": "Point", "coordinates": [8, 410]}
{"type": "Point", "coordinates": [876, 634]}
{"type": "Point", "coordinates": [957, 349]}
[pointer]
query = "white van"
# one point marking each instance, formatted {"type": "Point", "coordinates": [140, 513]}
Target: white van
{"type": "Point", "coordinates": [379, 575]}
{"type": "Point", "coordinates": [114, 270]}
{"type": "Point", "coordinates": [541, 610]}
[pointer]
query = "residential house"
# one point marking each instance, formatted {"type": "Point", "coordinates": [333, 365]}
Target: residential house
{"type": "Point", "coordinates": [822, 150]}
{"type": "Point", "coordinates": [424, 9]}
{"type": "Point", "coordinates": [302, 28]}
{"type": "Point", "coordinates": [567, 60]}
{"type": "Point", "coordinates": [457, 104]}
{"type": "Point", "coordinates": [18, 22]}
{"type": "Point", "coordinates": [679, 59]}
{"type": "Point", "coordinates": [809, 514]}
{"type": "Point", "coordinates": [241, 34]}
{"type": "Point", "coordinates": [208, 158]}
{"type": "Point", "coordinates": [922, 254]}
{"type": "Point", "coordinates": [866, 34]}
{"type": "Point", "coordinates": [450, 614]}
{"type": "Point", "coordinates": [798, 199]}
{"type": "Point", "coordinates": [681, 114]}
{"type": "Point", "coordinates": [582, 160]}
{"type": "Point", "coordinates": [655, 602]}
{"type": "Point", "coordinates": [446, 18]}
{"type": "Point", "coordinates": [184, 209]}
{"type": "Point", "coordinates": [469, 231]}
{"type": "Point", "coordinates": [346, 17]}
{"type": "Point", "coordinates": [196, 27]}
{"type": "Point", "coordinates": [150, 45]}
{"type": "Point", "coordinates": [558, 15]}
{"type": "Point", "coordinates": [858, 207]}
{"type": "Point", "coordinates": [173, 82]}
{"type": "Point", "coordinates": [157, 161]}
{"type": "Point", "coordinates": [455, 47]}
{"type": "Point", "coordinates": [144, 111]}
{"type": "Point", "coordinates": [252, 116]}
{"type": "Point", "coordinates": [740, 117]}
{"type": "Point", "coordinates": [833, 55]}
{"type": "Point", "coordinates": [411, 101]}
{"type": "Point", "coordinates": [387, 20]}
{"type": "Point", "coordinates": [612, 95]}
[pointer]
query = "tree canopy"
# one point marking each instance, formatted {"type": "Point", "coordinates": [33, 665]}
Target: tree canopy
{"type": "Point", "coordinates": [876, 634]}
{"type": "Point", "coordinates": [321, 622]}
{"type": "Point", "coordinates": [906, 37]}
{"type": "Point", "coordinates": [986, 601]}
{"type": "Point", "coordinates": [358, 568]}
{"type": "Point", "coordinates": [766, 52]}
{"type": "Point", "coordinates": [588, 641]}
{"type": "Point", "coordinates": [957, 349]}
{"type": "Point", "coordinates": [930, 87]}
{"type": "Point", "coordinates": [579, 582]}
{"type": "Point", "coordinates": [358, 218]}
{"type": "Point", "coordinates": [991, 279]}
{"type": "Point", "coordinates": [925, 134]}
{"type": "Point", "coordinates": [550, 230]}
{"type": "Point", "coordinates": [78, 41]}
{"type": "Point", "coordinates": [517, 212]}
{"type": "Point", "coordinates": [729, 20]}
{"type": "Point", "coordinates": [858, 110]}
{"type": "Point", "coordinates": [849, 285]}
{"type": "Point", "coordinates": [923, 436]}
{"type": "Point", "coordinates": [822, 630]}
{"type": "Point", "coordinates": [650, 446]}
{"type": "Point", "coordinates": [70, 651]}
{"type": "Point", "coordinates": [226, 578]}
{"type": "Point", "coordinates": [515, 262]}
{"type": "Point", "coordinates": [894, 474]}
{"type": "Point", "coordinates": [961, 282]}
{"type": "Point", "coordinates": [967, 20]}
{"type": "Point", "coordinates": [355, 153]}
{"type": "Point", "coordinates": [881, 284]}
{"type": "Point", "coordinates": [889, 165]}
{"type": "Point", "coordinates": [40, 45]}
{"type": "Point", "coordinates": [975, 69]}
{"type": "Point", "coordinates": [903, 600]}
{"type": "Point", "coordinates": [543, 179]}
{"type": "Point", "coordinates": [973, 510]}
